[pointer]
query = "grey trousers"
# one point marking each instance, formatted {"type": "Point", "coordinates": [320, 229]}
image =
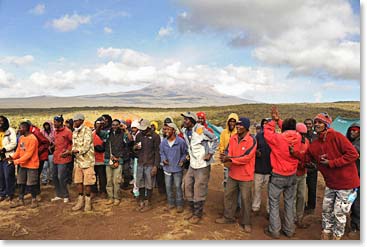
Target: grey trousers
{"type": "Point", "coordinates": [261, 181]}
{"type": "Point", "coordinates": [279, 184]}
{"type": "Point", "coordinates": [299, 198]}
{"type": "Point", "coordinates": [196, 184]}
{"type": "Point", "coordinates": [231, 198]}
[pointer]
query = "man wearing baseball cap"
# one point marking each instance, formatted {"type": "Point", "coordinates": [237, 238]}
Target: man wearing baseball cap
{"type": "Point", "coordinates": [83, 151]}
{"type": "Point", "coordinates": [335, 157]}
{"type": "Point", "coordinates": [147, 147]}
{"type": "Point", "coordinates": [201, 144]}
{"type": "Point", "coordinates": [241, 155]}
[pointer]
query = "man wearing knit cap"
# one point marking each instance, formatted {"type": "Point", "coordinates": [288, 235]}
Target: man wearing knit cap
{"type": "Point", "coordinates": [241, 155]}
{"type": "Point", "coordinates": [201, 144]}
{"type": "Point", "coordinates": [83, 151]}
{"type": "Point", "coordinates": [335, 157]}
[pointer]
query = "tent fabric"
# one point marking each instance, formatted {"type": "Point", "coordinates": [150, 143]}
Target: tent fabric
{"type": "Point", "coordinates": [341, 124]}
{"type": "Point", "coordinates": [217, 130]}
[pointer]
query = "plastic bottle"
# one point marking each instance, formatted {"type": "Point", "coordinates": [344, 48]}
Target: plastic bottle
{"type": "Point", "coordinates": [353, 196]}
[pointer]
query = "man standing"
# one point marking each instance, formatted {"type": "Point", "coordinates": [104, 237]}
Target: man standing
{"type": "Point", "coordinates": [201, 144]}
{"type": "Point", "coordinates": [353, 135]}
{"type": "Point", "coordinates": [49, 133]}
{"type": "Point", "coordinates": [283, 176]}
{"type": "Point", "coordinates": [173, 152]}
{"type": "Point", "coordinates": [311, 179]}
{"type": "Point", "coordinates": [241, 154]}
{"type": "Point", "coordinates": [83, 151]}
{"type": "Point", "coordinates": [201, 116]}
{"type": "Point", "coordinates": [336, 157]}
{"type": "Point", "coordinates": [99, 167]}
{"type": "Point", "coordinates": [63, 142]}
{"type": "Point", "coordinates": [8, 143]}
{"type": "Point", "coordinates": [147, 147]}
{"type": "Point", "coordinates": [262, 169]}
{"type": "Point", "coordinates": [26, 156]}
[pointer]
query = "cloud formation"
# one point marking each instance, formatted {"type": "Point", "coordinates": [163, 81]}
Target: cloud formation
{"type": "Point", "coordinates": [39, 9]}
{"type": "Point", "coordinates": [17, 60]}
{"type": "Point", "coordinates": [68, 23]}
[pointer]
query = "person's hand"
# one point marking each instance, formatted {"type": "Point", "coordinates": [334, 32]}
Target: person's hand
{"type": "Point", "coordinates": [258, 153]}
{"type": "Point", "coordinates": [75, 151]}
{"type": "Point", "coordinates": [274, 113]}
{"type": "Point", "coordinates": [9, 159]}
{"type": "Point", "coordinates": [224, 158]}
{"type": "Point", "coordinates": [165, 162]}
{"type": "Point", "coordinates": [324, 160]}
{"type": "Point", "coordinates": [181, 163]}
{"type": "Point", "coordinates": [291, 149]}
{"type": "Point", "coordinates": [154, 171]}
{"type": "Point", "coordinates": [123, 127]}
{"type": "Point", "coordinates": [208, 157]}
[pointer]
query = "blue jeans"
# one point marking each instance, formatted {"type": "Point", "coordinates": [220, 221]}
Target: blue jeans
{"type": "Point", "coordinates": [48, 169]}
{"type": "Point", "coordinates": [7, 179]}
{"type": "Point", "coordinates": [60, 180]}
{"type": "Point", "coordinates": [176, 179]}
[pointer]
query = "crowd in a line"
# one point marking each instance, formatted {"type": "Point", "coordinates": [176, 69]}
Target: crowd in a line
{"type": "Point", "coordinates": [137, 156]}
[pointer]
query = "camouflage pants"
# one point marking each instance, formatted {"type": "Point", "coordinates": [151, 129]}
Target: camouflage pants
{"type": "Point", "coordinates": [334, 211]}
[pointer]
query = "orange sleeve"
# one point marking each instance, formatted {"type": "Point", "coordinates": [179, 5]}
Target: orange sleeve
{"type": "Point", "coordinates": [16, 155]}
{"type": "Point", "coordinates": [29, 152]}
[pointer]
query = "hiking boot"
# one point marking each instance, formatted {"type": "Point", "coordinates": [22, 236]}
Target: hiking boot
{"type": "Point", "coordinates": [79, 204]}
{"type": "Point", "coordinates": [147, 206]}
{"type": "Point", "coordinates": [179, 209]}
{"type": "Point", "coordinates": [247, 228]}
{"type": "Point", "coordinates": [300, 224]}
{"type": "Point", "coordinates": [287, 234]}
{"type": "Point", "coordinates": [38, 198]}
{"type": "Point", "coordinates": [103, 195]}
{"type": "Point", "coordinates": [195, 220]}
{"type": "Point", "coordinates": [140, 206]}
{"type": "Point", "coordinates": [34, 203]}
{"type": "Point", "coordinates": [109, 201]}
{"type": "Point", "coordinates": [56, 198]}
{"type": "Point", "coordinates": [88, 204]}
{"type": "Point", "coordinates": [270, 234]}
{"type": "Point", "coordinates": [2, 198]}
{"type": "Point", "coordinates": [17, 203]}
{"type": "Point", "coordinates": [337, 237]}
{"type": "Point", "coordinates": [169, 208]}
{"type": "Point", "coordinates": [116, 202]}
{"type": "Point", "coordinates": [66, 200]}
{"type": "Point", "coordinates": [224, 220]}
{"type": "Point", "coordinates": [325, 235]}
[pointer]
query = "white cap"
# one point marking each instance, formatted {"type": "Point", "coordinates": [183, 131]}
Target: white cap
{"type": "Point", "coordinates": [135, 124]}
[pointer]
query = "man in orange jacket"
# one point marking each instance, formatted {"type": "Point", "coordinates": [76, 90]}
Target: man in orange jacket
{"type": "Point", "coordinates": [26, 157]}
{"type": "Point", "coordinates": [241, 154]}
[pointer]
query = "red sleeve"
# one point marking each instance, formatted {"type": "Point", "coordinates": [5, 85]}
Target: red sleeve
{"type": "Point", "coordinates": [269, 133]}
{"type": "Point", "coordinates": [244, 160]}
{"type": "Point", "coordinates": [349, 153]}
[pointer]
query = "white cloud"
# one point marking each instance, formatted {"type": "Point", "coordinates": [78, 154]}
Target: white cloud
{"type": "Point", "coordinates": [167, 30]}
{"type": "Point", "coordinates": [39, 9]}
{"type": "Point", "coordinates": [107, 30]}
{"type": "Point", "coordinates": [17, 60]}
{"type": "Point", "coordinates": [127, 56]}
{"type": "Point", "coordinates": [312, 37]}
{"type": "Point", "coordinates": [6, 79]}
{"type": "Point", "coordinates": [68, 23]}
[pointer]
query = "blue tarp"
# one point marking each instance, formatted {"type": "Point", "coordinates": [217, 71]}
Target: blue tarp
{"type": "Point", "coordinates": [341, 124]}
{"type": "Point", "coordinates": [217, 129]}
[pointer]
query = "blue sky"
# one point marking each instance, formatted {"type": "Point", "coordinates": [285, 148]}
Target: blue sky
{"type": "Point", "coordinates": [291, 51]}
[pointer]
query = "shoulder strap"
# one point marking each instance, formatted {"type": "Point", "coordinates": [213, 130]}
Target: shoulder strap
{"type": "Point", "coordinates": [248, 151]}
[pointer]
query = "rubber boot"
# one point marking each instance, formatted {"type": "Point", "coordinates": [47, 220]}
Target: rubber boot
{"type": "Point", "coordinates": [79, 203]}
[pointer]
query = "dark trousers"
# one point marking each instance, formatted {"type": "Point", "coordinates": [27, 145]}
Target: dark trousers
{"type": "Point", "coordinates": [70, 172]}
{"type": "Point", "coordinates": [355, 216]}
{"type": "Point", "coordinates": [311, 181]}
{"type": "Point", "coordinates": [161, 181]}
{"type": "Point", "coordinates": [7, 179]}
{"type": "Point", "coordinates": [234, 187]}
{"type": "Point", "coordinates": [101, 177]}
{"type": "Point", "coordinates": [59, 177]}
{"type": "Point", "coordinates": [126, 171]}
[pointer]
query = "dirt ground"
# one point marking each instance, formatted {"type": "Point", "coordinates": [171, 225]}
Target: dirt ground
{"type": "Point", "coordinates": [56, 221]}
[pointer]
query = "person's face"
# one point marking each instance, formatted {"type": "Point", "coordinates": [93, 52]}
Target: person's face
{"type": "Point", "coordinates": [164, 130]}
{"type": "Point", "coordinates": [169, 132]}
{"type": "Point", "coordinates": [115, 125]}
{"type": "Point", "coordinates": [57, 124]}
{"type": "Point", "coordinates": [99, 125]}
{"type": "Point", "coordinates": [134, 130]}
{"type": "Point", "coordinates": [231, 124]}
{"type": "Point", "coordinates": [265, 122]}
{"type": "Point", "coordinates": [201, 120]}
{"type": "Point", "coordinates": [240, 129]}
{"type": "Point", "coordinates": [308, 124]}
{"type": "Point", "coordinates": [187, 122]}
{"type": "Point", "coordinates": [354, 134]}
{"type": "Point", "coordinates": [1, 122]}
{"type": "Point", "coordinates": [152, 127]}
{"type": "Point", "coordinates": [106, 122]}
{"type": "Point", "coordinates": [23, 129]}
{"type": "Point", "coordinates": [47, 127]}
{"type": "Point", "coordinates": [319, 126]}
{"type": "Point", "coordinates": [258, 130]}
{"type": "Point", "coordinates": [78, 123]}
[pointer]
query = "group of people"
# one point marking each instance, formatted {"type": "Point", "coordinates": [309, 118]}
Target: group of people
{"type": "Point", "coordinates": [125, 154]}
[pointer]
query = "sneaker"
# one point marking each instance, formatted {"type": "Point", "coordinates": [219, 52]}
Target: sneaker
{"type": "Point", "coordinates": [270, 234]}
{"type": "Point", "coordinates": [17, 203]}
{"type": "Point", "coordinates": [56, 198]}
{"type": "Point", "coordinates": [337, 237]}
{"type": "Point", "coordinates": [287, 234]}
{"type": "Point", "coordinates": [195, 220]}
{"type": "Point", "coordinates": [34, 203]}
{"type": "Point", "coordinates": [325, 235]}
{"type": "Point", "coordinates": [256, 212]}
{"type": "Point", "coordinates": [38, 198]}
{"type": "Point", "coordinates": [147, 206]}
{"type": "Point", "coordinates": [116, 202]}
{"type": "Point", "coordinates": [224, 220]}
{"type": "Point", "coordinates": [109, 201]}
{"type": "Point", "coordinates": [169, 208]}
{"type": "Point", "coordinates": [140, 206]}
{"type": "Point", "coordinates": [247, 229]}
{"type": "Point", "coordinates": [66, 200]}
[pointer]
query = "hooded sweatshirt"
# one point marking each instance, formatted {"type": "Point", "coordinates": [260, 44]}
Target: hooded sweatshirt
{"type": "Point", "coordinates": [156, 126]}
{"type": "Point", "coordinates": [203, 115]}
{"type": "Point", "coordinates": [341, 173]}
{"type": "Point", "coordinates": [356, 143]}
{"type": "Point", "coordinates": [43, 143]}
{"type": "Point", "coordinates": [281, 160]}
{"type": "Point", "coordinates": [226, 134]}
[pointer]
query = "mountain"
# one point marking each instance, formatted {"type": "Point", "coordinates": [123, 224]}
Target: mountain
{"type": "Point", "coordinates": [151, 96]}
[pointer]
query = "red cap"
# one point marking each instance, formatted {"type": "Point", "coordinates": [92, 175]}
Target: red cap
{"type": "Point", "coordinates": [301, 128]}
{"type": "Point", "coordinates": [325, 118]}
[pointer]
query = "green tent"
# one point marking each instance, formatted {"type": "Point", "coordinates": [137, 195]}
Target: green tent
{"type": "Point", "coordinates": [342, 124]}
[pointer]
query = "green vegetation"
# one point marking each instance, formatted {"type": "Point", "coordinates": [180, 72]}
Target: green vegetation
{"type": "Point", "coordinates": [216, 115]}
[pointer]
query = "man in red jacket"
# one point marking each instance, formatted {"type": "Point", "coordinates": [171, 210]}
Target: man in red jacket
{"type": "Point", "coordinates": [241, 154]}
{"type": "Point", "coordinates": [283, 175]}
{"type": "Point", "coordinates": [335, 157]}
